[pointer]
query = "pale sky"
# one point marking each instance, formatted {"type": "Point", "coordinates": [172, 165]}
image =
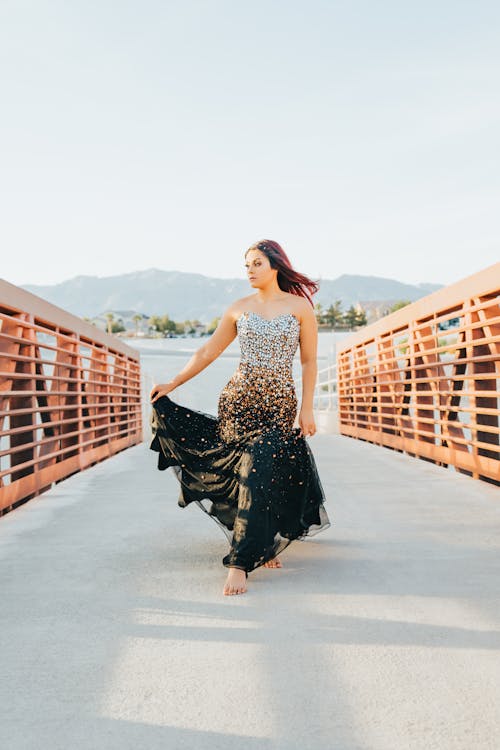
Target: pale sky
{"type": "Point", "coordinates": [362, 136]}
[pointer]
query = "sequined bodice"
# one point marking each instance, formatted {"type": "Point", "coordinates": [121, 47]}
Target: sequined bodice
{"type": "Point", "coordinates": [268, 342]}
{"type": "Point", "coordinates": [261, 393]}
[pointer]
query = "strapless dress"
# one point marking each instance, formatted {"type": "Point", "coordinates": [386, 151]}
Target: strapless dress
{"type": "Point", "coordinates": [258, 474]}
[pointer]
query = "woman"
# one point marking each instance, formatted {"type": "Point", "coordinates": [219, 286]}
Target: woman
{"type": "Point", "coordinates": [255, 467]}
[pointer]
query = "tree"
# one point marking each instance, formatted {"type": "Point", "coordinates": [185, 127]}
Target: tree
{"type": "Point", "coordinates": [170, 326]}
{"type": "Point", "coordinates": [398, 305]}
{"type": "Point", "coordinates": [333, 315]}
{"type": "Point", "coordinates": [351, 317]}
{"type": "Point", "coordinates": [154, 323]}
{"type": "Point", "coordinates": [361, 318]}
{"type": "Point", "coordinates": [110, 317]}
{"type": "Point", "coordinates": [137, 319]}
{"type": "Point", "coordinates": [165, 321]}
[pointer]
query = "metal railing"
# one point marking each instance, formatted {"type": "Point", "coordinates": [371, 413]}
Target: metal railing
{"type": "Point", "coordinates": [69, 395]}
{"type": "Point", "coordinates": [325, 402]}
{"type": "Point", "coordinates": [425, 379]}
{"type": "Point", "coordinates": [325, 390]}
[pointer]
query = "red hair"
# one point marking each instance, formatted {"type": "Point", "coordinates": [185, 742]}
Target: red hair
{"type": "Point", "coordinates": [288, 279]}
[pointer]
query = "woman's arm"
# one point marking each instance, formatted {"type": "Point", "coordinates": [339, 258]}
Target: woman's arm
{"type": "Point", "coordinates": [308, 359]}
{"type": "Point", "coordinates": [204, 356]}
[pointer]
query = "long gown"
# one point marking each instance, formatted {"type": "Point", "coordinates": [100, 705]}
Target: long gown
{"type": "Point", "coordinates": [253, 466]}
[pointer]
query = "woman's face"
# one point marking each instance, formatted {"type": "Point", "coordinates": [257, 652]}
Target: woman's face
{"type": "Point", "coordinates": [259, 269]}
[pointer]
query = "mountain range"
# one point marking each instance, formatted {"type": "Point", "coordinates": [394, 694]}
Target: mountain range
{"type": "Point", "coordinates": [190, 296]}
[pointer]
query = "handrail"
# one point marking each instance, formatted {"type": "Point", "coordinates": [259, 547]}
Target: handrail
{"type": "Point", "coordinates": [425, 379]}
{"type": "Point", "coordinates": [70, 395]}
{"type": "Point", "coordinates": [325, 388]}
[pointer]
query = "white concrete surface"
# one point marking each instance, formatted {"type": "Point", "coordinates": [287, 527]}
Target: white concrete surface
{"type": "Point", "coordinates": [381, 633]}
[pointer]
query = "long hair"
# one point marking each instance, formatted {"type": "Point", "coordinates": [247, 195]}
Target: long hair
{"type": "Point", "coordinates": [289, 280]}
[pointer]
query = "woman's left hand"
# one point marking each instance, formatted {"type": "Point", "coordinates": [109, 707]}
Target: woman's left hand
{"type": "Point", "coordinates": [306, 422]}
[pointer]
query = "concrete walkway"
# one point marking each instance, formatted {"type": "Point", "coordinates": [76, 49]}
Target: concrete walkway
{"type": "Point", "coordinates": [381, 633]}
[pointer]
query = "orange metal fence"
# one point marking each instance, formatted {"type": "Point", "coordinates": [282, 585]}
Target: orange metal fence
{"type": "Point", "coordinates": [69, 395]}
{"type": "Point", "coordinates": [426, 379]}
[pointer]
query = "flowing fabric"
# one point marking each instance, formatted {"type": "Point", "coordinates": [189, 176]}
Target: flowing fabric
{"type": "Point", "coordinates": [249, 461]}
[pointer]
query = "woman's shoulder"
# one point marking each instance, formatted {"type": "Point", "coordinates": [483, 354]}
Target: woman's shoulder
{"type": "Point", "coordinates": [300, 305]}
{"type": "Point", "coordinates": [234, 309]}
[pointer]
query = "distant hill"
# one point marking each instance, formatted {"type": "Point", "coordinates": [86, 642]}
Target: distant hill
{"type": "Point", "coordinates": [189, 296]}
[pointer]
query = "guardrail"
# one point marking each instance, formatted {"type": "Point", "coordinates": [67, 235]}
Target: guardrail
{"type": "Point", "coordinates": [69, 395]}
{"type": "Point", "coordinates": [425, 379]}
{"type": "Point", "coordinates": [325, 390]}
{"type": "Point", "coordinates": [324, 397]}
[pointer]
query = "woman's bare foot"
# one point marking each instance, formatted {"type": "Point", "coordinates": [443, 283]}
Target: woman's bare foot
{"type": "Point", "coordinates": [235, 582]}
{"type": "Point", "coordinates": [273, 563]}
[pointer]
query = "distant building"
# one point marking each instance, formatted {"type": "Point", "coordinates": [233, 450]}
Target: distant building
{"type": "Point", "coordinates": [374, 309]}
{"type": "Point", "coordinates": [124, 318]}
{"type": "Point", "coordinates": [200, 329]}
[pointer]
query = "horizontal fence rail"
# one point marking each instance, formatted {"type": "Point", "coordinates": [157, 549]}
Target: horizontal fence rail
{"type": "Point", "coordinates": [426, 379]}
{"type": "Point", "coordinates": [70, 395]}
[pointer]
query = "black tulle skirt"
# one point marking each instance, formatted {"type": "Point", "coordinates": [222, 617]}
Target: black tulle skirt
{"type": "Point", "coordinates": [263, 487]}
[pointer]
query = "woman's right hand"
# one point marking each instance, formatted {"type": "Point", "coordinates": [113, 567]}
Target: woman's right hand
{"type": "Point", "coordinates": [160, 390]}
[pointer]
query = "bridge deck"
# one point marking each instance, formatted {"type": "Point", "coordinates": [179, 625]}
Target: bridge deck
{"type": "Point", "coordinates": [381, 633]}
